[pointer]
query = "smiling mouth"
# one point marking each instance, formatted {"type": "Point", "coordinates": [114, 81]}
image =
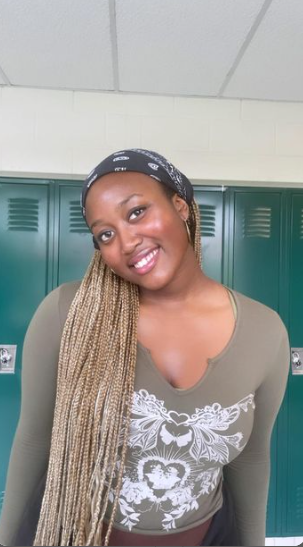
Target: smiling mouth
{"type": "Point", "coordinates": [147, 263]}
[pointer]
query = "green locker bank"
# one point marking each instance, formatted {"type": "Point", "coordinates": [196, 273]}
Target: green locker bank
{"type": "Point", "coordinates": [252, 241]}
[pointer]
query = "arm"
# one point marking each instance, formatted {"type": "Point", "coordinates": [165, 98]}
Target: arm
{"type": "Point", "coordinates": [30, 451]}
{"type": "Point", "coordinates": [247, 476]}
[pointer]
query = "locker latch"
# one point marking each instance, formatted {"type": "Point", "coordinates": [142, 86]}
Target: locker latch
{"type": "Point", "coordinates": [7, 359]}
{"type": "Point", "coordinates": [297, 360]}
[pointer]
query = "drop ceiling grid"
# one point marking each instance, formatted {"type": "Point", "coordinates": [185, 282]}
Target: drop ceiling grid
{"type": "Point", "coordinates": [56, 44]}
{"type": "Point", "coordinates": [172, 46]}
{"type": "Point", "coordinates": [163, 46]}
{"type": "Point", "coordinates": [272, 65]}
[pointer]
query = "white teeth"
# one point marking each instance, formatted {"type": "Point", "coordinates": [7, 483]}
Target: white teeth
{"type": "Point", "coordinates": [146, 259]}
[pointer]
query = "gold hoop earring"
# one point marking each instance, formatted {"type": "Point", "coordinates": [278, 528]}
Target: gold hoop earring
{"type": "Point", "coordinates": [188, 232]}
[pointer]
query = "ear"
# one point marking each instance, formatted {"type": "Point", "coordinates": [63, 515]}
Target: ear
{"type": "Point", "coordinates": [181, 206]}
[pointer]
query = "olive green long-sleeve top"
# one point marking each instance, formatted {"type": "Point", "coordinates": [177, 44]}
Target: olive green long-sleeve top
{"type": "Point", "coordinates": [182, 443]}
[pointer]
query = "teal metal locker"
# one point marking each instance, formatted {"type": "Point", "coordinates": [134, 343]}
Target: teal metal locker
{"type": "Point", "coordinates": [73, 242]}
{"type": "Point", "coordinates": [24, 227]}
{"type": "Point", "coordinates": [255, 236]}
{"type": "Point", "coordinates": [256, 245]}
{"type": "Point", "coordinates": [211, 207]}
{"type": "Point", "coordinates": [292, 437]}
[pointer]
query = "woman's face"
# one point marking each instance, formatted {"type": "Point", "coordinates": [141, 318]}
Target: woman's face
{"type": "Point", "coordinates": [140, 231]}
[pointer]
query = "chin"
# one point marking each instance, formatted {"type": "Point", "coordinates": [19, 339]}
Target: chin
{"type": "Point", "coordinates": [155, 283]}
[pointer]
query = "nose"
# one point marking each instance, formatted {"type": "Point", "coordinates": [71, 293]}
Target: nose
{"type": "Point", "coordinates": [129, 240]}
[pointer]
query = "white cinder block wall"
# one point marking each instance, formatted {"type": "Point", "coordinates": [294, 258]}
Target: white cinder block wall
{"type": "Point", "coordinates": [65, 133]}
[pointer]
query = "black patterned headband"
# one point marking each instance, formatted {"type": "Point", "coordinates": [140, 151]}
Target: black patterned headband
{"type": "Point", "coordinates": [142, 161]}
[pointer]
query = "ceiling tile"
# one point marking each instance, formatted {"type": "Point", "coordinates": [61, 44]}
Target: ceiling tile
{"type": "Point", "coordinates": [272, 65]}
{"type": "Point", "coordinates": [58, 44]}
{"type": "Point", "coordinates": [172, 46]}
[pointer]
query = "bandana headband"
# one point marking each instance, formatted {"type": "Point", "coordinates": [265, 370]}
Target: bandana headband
{"type": "Point", "coordinates": [142, 161]}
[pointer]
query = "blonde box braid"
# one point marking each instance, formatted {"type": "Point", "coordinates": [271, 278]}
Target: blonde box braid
{"type": "Point", "coordinates": [93, 405]}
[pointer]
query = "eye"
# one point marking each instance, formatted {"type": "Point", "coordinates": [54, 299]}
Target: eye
{"type": "Point", "coordinates": [104, 236]}
{"type": "Point", "coordinates": [138, 210]}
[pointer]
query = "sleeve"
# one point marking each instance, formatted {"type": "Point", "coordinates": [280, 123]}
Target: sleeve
{"type": "Point", "coordinates": [247, 477]}
{"type": "Point", "coordinates": [30, 450]}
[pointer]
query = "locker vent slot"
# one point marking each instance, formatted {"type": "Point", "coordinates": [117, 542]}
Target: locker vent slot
{"type": "Point", "coordinates": [77, 223]}
{"type": "Point", "coordinates": [208, 220]}
{"type": "Point", "coordinates": [23, 215]}
{"type": "Point", "coordinates": [257, 222]}
{"type": "Point", "coordinates": [301, 225]}
{"type": "Point", "coordinates": [1, 499]}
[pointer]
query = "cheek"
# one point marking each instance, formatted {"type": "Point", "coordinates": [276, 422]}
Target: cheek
{"type": "Point", "coordinates": [174, 233]}
{"type": "Point", "coordinates": [166, 227]}
{"type": "Point", "coordinates": [108, 256]}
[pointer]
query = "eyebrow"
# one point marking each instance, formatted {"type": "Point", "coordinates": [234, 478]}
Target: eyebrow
{"type": "Point", "coordinates": [121, 204]}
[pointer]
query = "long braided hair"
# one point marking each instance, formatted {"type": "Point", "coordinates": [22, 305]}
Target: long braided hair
{"type": "Point", "coordinates": [93, 404]}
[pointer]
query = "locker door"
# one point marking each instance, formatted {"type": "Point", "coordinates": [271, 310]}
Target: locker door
{"type": "Point", "coordinates": [255, 272]}
{"type": "Point", "coordinates": [256, 257]}
{"type": "Point", "coordinates": [23, 284]}
{"type": "Point", "coordinates": [211, 211]}
{"type": "Point", "coordinates": [74, 241]}
{"type": "Point", "coordinates": [294, 434]}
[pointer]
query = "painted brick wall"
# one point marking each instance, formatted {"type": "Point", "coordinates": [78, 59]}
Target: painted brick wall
{"type": "Point", "coordinates": [66, 133]}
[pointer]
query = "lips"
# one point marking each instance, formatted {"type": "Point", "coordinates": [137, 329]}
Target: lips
{"type": "Point", "coordinates": [135, 259]}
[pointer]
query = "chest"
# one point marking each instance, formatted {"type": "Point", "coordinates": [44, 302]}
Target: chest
{"type": "Point", "coordinates": [180, 345]}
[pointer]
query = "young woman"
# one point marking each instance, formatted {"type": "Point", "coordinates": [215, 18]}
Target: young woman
{"type": "Point", "coordinates": [167, 383]}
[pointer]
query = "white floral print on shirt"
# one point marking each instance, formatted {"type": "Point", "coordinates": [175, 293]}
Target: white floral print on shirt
{"type": "Point", "coordinates": [169, 451]}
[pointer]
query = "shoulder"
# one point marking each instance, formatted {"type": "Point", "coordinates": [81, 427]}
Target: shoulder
{"type": "Point", "coordinates": [56, 303]}
{"type": "Point", "coordinates": [64, 295]}
{"type": "Point", "coordinates": [263, 338]}
{"type": "Point", "coordinates": [257, 319]}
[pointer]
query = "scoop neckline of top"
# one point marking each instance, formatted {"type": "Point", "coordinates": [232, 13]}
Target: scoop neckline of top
{"type": "Point", "coordinates": [210, 361]}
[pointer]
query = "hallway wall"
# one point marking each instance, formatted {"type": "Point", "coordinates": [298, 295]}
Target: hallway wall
{"type": "Point", "coordinates": [64, 133]}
